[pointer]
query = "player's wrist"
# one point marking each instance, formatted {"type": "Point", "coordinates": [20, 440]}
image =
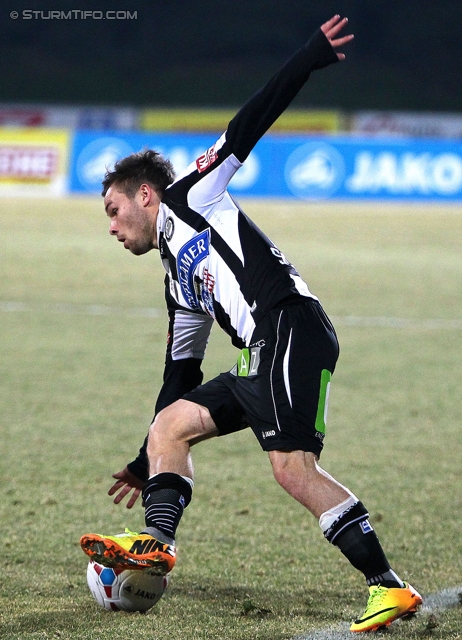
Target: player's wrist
{"type": "Point", "coordinates": [139, 469]}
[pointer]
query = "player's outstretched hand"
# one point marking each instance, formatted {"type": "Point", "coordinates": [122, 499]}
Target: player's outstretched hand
{"type": "Point", "coordinates": [332, 28]}
{"type": "Point", "coordinates": [126, 482]}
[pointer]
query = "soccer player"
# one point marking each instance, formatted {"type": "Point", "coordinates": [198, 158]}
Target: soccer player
{"type": "Point", "coordinates": [221, 267]}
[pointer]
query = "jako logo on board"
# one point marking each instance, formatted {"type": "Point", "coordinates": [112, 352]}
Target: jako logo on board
{"type": "Point", "coordinates": [406, 173]}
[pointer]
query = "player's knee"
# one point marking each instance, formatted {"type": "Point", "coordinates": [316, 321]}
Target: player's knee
{"type": "Point", "coordinates": [283, 476]}
{"type": "Point", "coordinates": [290, 468]}
{"type": "Point", "coordinates": [180, 422]}
{"type": "Point", "coordinates": [167, 426]}
{"type": "Point", "coordinates": [282, 469]}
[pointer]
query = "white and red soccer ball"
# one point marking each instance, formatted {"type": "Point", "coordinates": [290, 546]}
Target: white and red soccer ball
{"type": "Point", "coordinates": [125, 590]}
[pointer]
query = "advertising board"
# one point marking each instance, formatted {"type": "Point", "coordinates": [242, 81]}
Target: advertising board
{"type": "Point", "coordinates": [407, 123]}
{"type": "Point", "coordinates": [216, 120]}
{"type": "Point", "coordinates": [69, 117]}
{"type": "Point", "coordinates": [33, 161]}
{"type": "Point", "coordinates": [304, 167]}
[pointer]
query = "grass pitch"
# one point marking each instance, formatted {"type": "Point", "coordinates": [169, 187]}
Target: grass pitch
{"type": "Point", "coordinates": [81, 363]}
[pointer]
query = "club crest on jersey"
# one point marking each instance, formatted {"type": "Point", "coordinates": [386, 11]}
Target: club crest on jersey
{"type": "Point", "coordinates": [206, 159]}
{"type": "Point", "coordinates": [189, 256]}
{"type": "Point", "coordinates": [169, 228]}
{"type": "Point", "coordinates": [206, 292]}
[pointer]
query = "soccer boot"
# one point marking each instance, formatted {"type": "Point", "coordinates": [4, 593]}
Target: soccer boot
{"type": "Point", "coordinates": [385, 605]}
{"type": "Point", "coordinates": [130, 551]}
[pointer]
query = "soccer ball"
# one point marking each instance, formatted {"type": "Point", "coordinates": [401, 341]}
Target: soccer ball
{"type": "Point", "coordinates": [125, 590]}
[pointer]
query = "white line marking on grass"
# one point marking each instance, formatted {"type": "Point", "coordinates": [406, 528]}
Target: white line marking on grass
{"type": "Point", "coordinates": [81, 309]}
{"type": "Point", "coordinates": [433, 603]}
{"type": "Point", "coordinates": [152, 312]}
{"type": "Point", "coordinates": [397, 323]}
{"type": "Point", "coordinates": [445, 599]}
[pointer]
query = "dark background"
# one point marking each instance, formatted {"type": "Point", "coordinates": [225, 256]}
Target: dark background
{"type": "Point", "coordinates": [406, 54]}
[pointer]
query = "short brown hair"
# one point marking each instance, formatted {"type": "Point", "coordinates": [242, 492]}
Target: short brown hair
{"type": "Point", "coordinates": [146, 166]}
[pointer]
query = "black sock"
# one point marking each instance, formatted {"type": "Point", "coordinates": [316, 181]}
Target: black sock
{"type": "Point", "coordinates": [165, 496]}
{"type": "Point", "coordinates": [354, 536]}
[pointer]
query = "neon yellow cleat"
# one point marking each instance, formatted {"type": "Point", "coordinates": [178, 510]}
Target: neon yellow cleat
{"type": "Point", "coordinates": [130, 550]}
{"type": "Point", "coordinates": [385, 605]}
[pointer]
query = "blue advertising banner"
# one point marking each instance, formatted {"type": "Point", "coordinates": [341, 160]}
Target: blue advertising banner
{"type": "Point", "coordinates": [304, 167]}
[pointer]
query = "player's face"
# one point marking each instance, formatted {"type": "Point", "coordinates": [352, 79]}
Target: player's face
{"type": "Point", "coordinates": [130, 221]}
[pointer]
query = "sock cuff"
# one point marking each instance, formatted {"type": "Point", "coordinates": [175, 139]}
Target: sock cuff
{"type": "Point", "coordinates": [328, 518]}
{"type": "Point", "coordinates": [190, 481]}
{"type": "Point", "coordinates": [354, 514]}
{"type": "Point", "coordinates": [182, 484]}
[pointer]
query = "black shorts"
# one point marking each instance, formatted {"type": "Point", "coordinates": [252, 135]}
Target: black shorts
{"type": "Point", "coordinates": [280, 384]}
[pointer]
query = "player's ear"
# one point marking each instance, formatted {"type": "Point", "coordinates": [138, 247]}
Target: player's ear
{"type": "Point", "coordinates": [146, 193]}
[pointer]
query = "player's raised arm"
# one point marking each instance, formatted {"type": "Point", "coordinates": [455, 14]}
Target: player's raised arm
{"type": "Point", "coordinates": [263, 109]}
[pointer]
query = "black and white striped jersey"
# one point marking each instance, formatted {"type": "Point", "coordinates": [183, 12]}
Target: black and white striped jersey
{"type": "Point", "coordinates": [219, 265]}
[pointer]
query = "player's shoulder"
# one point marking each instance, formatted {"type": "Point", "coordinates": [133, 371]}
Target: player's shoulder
{"type": "Point", "coordinates": [209, 159]}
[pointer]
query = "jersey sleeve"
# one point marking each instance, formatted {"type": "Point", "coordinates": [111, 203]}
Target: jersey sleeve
{"type": "Point", "coordinates": [263, 109]}
{"type": "Point", "coordinates": [188, 335]}
{"type": "Point", "coordinates": [205, 181]}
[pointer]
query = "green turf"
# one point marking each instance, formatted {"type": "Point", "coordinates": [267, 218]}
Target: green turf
{"type": "Point", "coordinates": [78, 391]}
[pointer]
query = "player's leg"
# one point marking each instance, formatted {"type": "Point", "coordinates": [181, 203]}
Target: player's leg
{"type": "Point", "coordinates": [208, 411]}
{"type": "Point", "coordinates": [344, 522]}
{"type": "Point", "coordinates": [174, 430]}
{"type": "Point", "coordinates": [342, 517]}
{"type": "Point", "coordinates": [299, 473]}
{"type": "Point", "coordinates": [166, 494]}
{"type": "Point", "coordinates": [168, 490]}
{"type": "Point", "coordinates": [293, 379]}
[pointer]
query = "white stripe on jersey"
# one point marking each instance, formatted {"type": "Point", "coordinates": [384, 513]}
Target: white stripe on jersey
{"type": "Point", "coordinates": [223, 217]}
{"type": "Point", "coordinates": [235, 305]}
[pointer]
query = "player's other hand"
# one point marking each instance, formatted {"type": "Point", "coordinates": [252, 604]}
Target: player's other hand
{"type": "Point", "coordinates": [126, 482]}
{"type": "Point", "coordinates": [332, 28]}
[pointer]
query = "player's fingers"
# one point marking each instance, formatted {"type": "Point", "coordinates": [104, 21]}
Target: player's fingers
{"type": "Point", "coordinates": [336, 28]}
{"type": "Point", "coordinates": [133, 498]}
{"type": "Point", "coordinates": [339, 42]}
{"type": "Point", "coordinates": [330, 24]}
{"type": "Point", "coordinates": [115, 487]}
{"type": "Point", "coordinates": [122, 493]}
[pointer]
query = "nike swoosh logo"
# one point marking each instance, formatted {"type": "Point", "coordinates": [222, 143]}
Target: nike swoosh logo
{"type": "Point", "coordinates": [376, 614]}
